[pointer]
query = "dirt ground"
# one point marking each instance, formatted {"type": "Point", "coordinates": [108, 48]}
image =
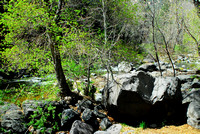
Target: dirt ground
{"type": "Point", "coordinates": [183, 129]}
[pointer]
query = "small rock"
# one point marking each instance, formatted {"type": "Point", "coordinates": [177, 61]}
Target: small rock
{"type": "Point", "coordinates": [68, 117]}
{"type": "Point", "coordinates": [85, 104]}
{"type": "Point", "coordinates": [98, 114]}
{"type": "Point", "coordinates": [102, 132]}
{"type": "Point", "coordinates": [79, 127]}
{"type": "Point", "coordinates": [153, 125]}
{"type": "Point", "coordinates": [89, 118]}
{"type": "Point", "coordinates": [98, 97]}
{"type": "Point", "coordinates": [105, 123]}
{"type": "Point", "coordinates": [114, 129]}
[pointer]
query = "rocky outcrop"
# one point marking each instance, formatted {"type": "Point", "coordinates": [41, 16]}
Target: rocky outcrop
{"type": "Point", "coordinates": [140, 95]}
{"type": "Point", "coordinates": [193, 114]}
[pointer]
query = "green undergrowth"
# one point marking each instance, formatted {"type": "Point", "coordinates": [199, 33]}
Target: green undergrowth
{"type": "Point", "coordinates": [33, 92]}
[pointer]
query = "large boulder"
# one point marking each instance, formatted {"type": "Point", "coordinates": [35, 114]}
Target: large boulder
{"type": "Point", "coordinates": [6, 107]}
{"type": "Point", "coordinates": [193, 114]}
{"type": "Point", "coordinates": [13, 121]}
{"type": "Point", "coordinates": [11, 118]}
{"type": "Point", "coordinates": [192, 99]}
{"type": "Point", "coordinates": [140, 95]}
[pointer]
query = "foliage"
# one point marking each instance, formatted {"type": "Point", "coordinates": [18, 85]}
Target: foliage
{"type": "Point", "coordinates": [24, 92]}
{"type": "Point", "coordinates": [20, 57]}
{"type": "Point", "coordinates": [143, 125]}
{"type": "Point", "coordinates": [40, 118]}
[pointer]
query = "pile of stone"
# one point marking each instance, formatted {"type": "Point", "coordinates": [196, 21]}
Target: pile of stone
{"type": "Point", "coordinates": [84, 117]}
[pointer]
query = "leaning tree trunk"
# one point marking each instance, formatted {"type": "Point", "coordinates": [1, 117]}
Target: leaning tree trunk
{"type": "Point", "coordinates": [64, 87]}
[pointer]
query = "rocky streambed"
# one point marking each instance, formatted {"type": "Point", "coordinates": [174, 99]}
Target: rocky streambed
{"type": "Point", "coordinates": [136, 94]}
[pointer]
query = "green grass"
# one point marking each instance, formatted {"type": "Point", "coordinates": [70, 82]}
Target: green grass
{"type": "Point", "coordinates": [33, 92]}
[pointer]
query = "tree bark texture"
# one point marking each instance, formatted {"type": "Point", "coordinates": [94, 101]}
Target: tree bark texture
{"type": "Point", "coordinates": [64, 87]}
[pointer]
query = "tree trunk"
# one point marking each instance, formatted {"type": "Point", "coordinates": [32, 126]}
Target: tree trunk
{"type": "Point", "coordinates": [64, 87]}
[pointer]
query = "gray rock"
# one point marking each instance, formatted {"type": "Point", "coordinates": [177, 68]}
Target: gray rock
{"type": "Point", "coordinates": [44, 130]}
{"type": "Point", "coordinates": [98, 114]}
{"type": "Point", "coordinates": [102, 132]}
{"type": "Point", "coordinates": [14, 121]}
{"type": "Point", "coordinates": [29, 106]}
{"type": "Point", "coordinates": [195, 84]}
{"type": "Point", "coordinates": [79, 127]}
{"type": "Point", "coordinates": [68, 117]}
{"type": "Point", "coordinates": [186, 86]}
{"type": "Point", "coordinates": [185, 78]}
{"type": "Point", "coordinates": [105, 123]}
{"type": "Point", "coordinates": [138, 94]}
{"type": "Point", "coordinates": [85, 104]}
{"type": "Point", "coordinates": [194, 95]}
{"type": "Point", "coordinates": [166, 88]}
{"type": "Point", "coordinates": [7, 107]}
{"type": "Point", "coordinates": [98, 97]}
{"type": "Point", "coordinates": [148, 67]}
{"type": "Point", "coordinates": [193, 114]}
{"type": "Point", "coordinates": [114, 129]}
{"type": "Point", "coordinates": [89, 117]}
{"type": "Point", "coordinates": [124, 67]}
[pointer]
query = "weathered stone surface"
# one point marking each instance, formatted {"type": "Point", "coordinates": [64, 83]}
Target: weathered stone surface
{"type": "Point", "coordinates": [68, 117]}
{"type": "Point", "coordinates": [125, 67]}
{"type": "Point", "coordinates": [101, 132]}
{"type": "Point", "coordinates": [14, 121]}
{"type": "Point", "coordinates": [114, 129]}
{"type": "Point", "coordinates": [185, 78]}
{"type": "Point", "coordinates": [85, 104]}
{"type": "Point", "coordinates": [139, 94]}
{"type": "Point", "coordinates": [105, 123]}
{"type": "Point", "coordinates": [79, 127]}
{"type": "Point", "coordinates": [98, 114]}
{"type": "Point", "coordinates": [6, 107]}
{"type": "Point", "coordinates": [89, 117]}
{"type": "Point", "coordinates": [29, 106]}
{"type": "Point", "coordinates": [193, 114]}
{"type": "Point", "coordinates": [148, 67]}
{"type": "Point", "coordinates": [194, 95]}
